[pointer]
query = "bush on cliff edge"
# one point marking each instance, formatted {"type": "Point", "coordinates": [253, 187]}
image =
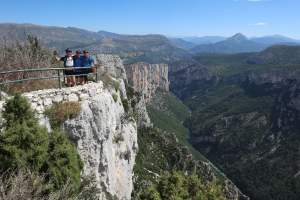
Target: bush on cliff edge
{"type": "Point", "coordinates": [24, 144]}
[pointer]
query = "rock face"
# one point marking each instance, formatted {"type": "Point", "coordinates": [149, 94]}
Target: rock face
{"type": "Point", "coordinates": [147, 78]}
{"type": "Point", "coordinates": [111, 65]}
{"type": "Point", "coordinates": [106, 138]}
{"type": "Point", "coordinates": [191, 75]}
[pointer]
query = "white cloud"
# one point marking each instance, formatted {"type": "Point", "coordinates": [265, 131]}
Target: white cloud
{"type": "Point", "coordinates": [259, 24]}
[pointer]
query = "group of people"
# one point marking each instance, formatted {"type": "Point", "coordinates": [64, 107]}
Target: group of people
{"type": "Point", "coordinates": [77, 67]}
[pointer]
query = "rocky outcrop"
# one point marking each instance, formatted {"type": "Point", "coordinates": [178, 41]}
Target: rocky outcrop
{"type": "Point", "coordinates": [147, 78]}
{"type": "Point", "coordinates": [111, 65]}
{"type": "Point", "coordinates": [187, 76]}
{"type": "Point", "coordinates": [105, 136]}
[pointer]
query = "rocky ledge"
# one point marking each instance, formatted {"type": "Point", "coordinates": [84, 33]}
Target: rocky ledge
{"type": "Point", "coordinates": [105, 137]}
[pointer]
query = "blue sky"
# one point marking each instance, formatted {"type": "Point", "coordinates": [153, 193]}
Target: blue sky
{"type": "Point", "coordinates": [169, 17]}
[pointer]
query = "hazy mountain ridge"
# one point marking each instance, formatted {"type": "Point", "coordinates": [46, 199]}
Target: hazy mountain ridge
{"type": "Point", "coordinates": [235, 44]}
{"type": "Point", "coordinates": [152, 48]}
{"type": "Point", "coordinates": [50, 36]}
{"type": "Point", "coordinates": [204, 39]}
{"type": "Point", "coordinates": [207, 43]}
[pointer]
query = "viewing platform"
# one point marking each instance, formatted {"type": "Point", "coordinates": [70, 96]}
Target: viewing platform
{"type": "Point", "coordinates": [57, 76]}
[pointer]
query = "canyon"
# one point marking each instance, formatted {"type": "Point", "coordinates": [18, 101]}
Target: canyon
{"type": "Point", "coordinates": [106, 134]}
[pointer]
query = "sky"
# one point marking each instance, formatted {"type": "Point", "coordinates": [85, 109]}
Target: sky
{"type": "Point", "coordinates": [168, 17]}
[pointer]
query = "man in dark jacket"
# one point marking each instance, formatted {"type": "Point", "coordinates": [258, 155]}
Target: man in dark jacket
{"type": "Point", "coordinates": [69, 67]}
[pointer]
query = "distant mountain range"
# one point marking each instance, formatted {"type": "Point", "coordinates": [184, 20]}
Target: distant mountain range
{"type": "Point", "coordinates": [204, 39]}
{"type": "Point", "coordinates": [133, 48]}
{"type": "Point", "coordinates": [275, 39]}
{"type": "Point", "coordinates": [235, 44]}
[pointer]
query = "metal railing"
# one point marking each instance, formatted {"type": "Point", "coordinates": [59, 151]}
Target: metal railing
{"type": "Point", "coordinates": [23, 75]}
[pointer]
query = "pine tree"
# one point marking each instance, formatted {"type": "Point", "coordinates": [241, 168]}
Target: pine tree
{"type": "Point", "coordinates": [23, 143]}
{"type": "Point", "coordinates": [63, 162]}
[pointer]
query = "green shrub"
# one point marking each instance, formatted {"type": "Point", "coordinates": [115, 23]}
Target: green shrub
{"type": "Point", "coordinates": [24, 184]}
{"type": "Point", "coordinates": [18, 110]}
{"type": "Point", "coordinates": [133, 97]}
{"type": "Point", "coordinates": [24, 144]}
{"type": "Point", "coordinates": [130, 92]}
{"type": "Point", "coordinates": [61, 112]}
{"type": "Point", "coordinates": [125, 105]}
{"type": "Point", "coordinates": [177, 185]}
{"type": "Point", "coordinates": [151, 194]}
{"type": "Point", "coordinates": [63, 162]}
{"type": "Point", "coordinates": [116, 85]}
{"type": "Point", "coordinates": [115, 97]}
{"type": "Point", "coordinates": [88, 189]}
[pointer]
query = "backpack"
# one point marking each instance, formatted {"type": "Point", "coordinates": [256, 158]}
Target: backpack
{"type": "Point", "coordinates": [68, 62]}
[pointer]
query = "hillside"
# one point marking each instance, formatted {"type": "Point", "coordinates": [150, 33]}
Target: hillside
{"type": "Point", "coordinates": [51, 37]}
{"type": "Point", "coordinates": [135, 48]}
{"type": "Point", "coordinates": [245, 118]}
{"type": "Point", "coordinates": [275, 39]}
{"type": "Point", "coordinates": [132, 48]}
{"type": "Point", "coordinates": [278, 55]}
{"type": "Point", "coordinates": [166, 148]}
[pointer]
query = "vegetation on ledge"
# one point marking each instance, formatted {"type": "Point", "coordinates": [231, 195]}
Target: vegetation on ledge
{"type": "Point", "coordinates": [25, 145]}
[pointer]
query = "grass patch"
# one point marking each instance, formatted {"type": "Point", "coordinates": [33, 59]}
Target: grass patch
{"type": "Point", "coordinates": [61, 112]}
{"type": "Point", "coordinates": [28, 86]}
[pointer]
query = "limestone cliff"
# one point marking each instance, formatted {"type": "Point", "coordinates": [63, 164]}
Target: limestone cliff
{"type": "Point", "coordinates": [105, 136]}
{"type": "Point", "coordinates": [111, 65]}
{"type": "Point", "coordinates": [147, 78]}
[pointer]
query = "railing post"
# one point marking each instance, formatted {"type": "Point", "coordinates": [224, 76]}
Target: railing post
{"type": "Point", "coordinates": [96, 74]}
{"type": "Point", "coordinates": [59, 81]}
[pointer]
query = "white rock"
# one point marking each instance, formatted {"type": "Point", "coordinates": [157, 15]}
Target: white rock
{"type": "Point", "coordinates": [47, 102]}
{"type": "Point", "coordinates": [73, 97]}
{"type": "Point", "coordinates": [83, 96]}
{"type": "Point", "coordinates": [100, 121]}
{"type": "Point", "coordinates": [58, 98]}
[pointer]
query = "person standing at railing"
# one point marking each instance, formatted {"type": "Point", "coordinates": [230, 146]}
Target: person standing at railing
{"type": "Point", "coordinates": [88, 62]}
{"type": "Point", "coordinates": [69, 67]}
{"type": "Point", "coordinates": [78, 64]}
